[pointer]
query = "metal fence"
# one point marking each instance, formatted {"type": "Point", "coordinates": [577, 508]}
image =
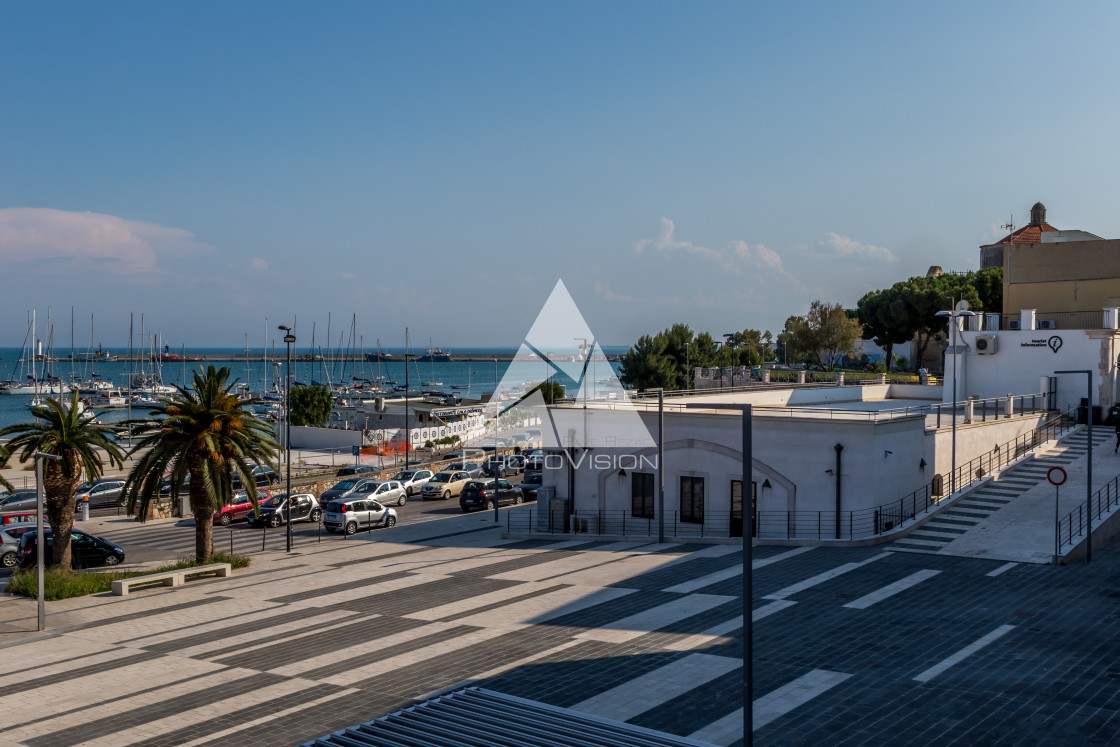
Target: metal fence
{"type": "Point", "coordinates": [870, 522]}
{"type": "Point", "coordinates": [1072, 525]}
{"type": "Point", "coordinates": [626, 524]}
{"type": "Point", "coordinates": [1046, 320]}
{"type": "Point", "coordinates": [857, 524]}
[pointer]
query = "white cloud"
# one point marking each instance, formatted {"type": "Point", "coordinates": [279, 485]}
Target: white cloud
{"type": "Point", "coordinates": [736, 257]}
{"type": "Point", "coordinates": [259, 264]}
{"type": "Point", "coordinates": [841, 246]}
{"type": "Point", "coordinates": [92, 241]}
{"type": "Point", "coordinates": [603, 290]}
{"type": "Point", "coordinates": [349, 275]}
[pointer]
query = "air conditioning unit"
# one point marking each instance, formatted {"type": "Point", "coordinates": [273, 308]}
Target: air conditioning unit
{"type": "Point", "coordinates": [1047, 324]}
{"type": "Point", "coordinates": [986, 344]}
{"type": "Point", "coordinates": [1013, 324]}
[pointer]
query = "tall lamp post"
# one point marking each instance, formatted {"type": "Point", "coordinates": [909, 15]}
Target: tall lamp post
{"type": "Point", "coordinates": [289, 339]}
{"type": "Point", "coordinates": [748, 551]}
{"type": "Point", "coordinates": [730, 337]}
{"type": "Point", "coordinates": [660, 461]}
{"type": "Point", "coordinates": [40, 546]}
{"type": "Point", "coordinates": [953, 326]}
{"type": "Point", "coordinates": [687, 371]}
{"type": "Point", "coordinates": [1089, 470]}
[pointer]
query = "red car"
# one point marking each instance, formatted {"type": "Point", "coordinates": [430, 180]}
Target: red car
{"type": "Point", "coordinates": [239, 507]}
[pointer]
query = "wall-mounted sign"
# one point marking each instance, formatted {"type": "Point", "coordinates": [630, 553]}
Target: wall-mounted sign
{"type": "Point", "coordinates": [1053, 342]}
{"type": "Point", "coordinates": [454, 413]}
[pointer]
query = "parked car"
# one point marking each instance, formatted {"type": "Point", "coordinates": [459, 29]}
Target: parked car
{"type": "Point", "coordinates": [352, 487]}
{"type": "Point", "coordinates": [530, 485]}
{"type": "Point", "coordinates": [412, 480]}
{"type": "Point", "coordinates": [165, 485]}
{"type": "Point", "coordinates": [474, 469]}
{"type": "Point", "coordinates": [239, 507]}
{"type": "Point", "coordinates": [517, 462]}
{"type": "Point", "coordinates": [262, 475]}
{"type": "Point", "coordinates": [480, 494]}
{"type": "Point", "coordinates": [274, 511]}
{"type": "Point", "coordinates": [357, 513]}
{"type": "Point", "coordinates": [9, 542]}
{"type": "Point", "coordinates": [389, 492]}
{"type": "Point", "coordinates": [102, 493]}
{"type": "Point", "coordinates": [361, 469]}
{"type": "Point", "coordinates": [86, 551]}
{"type": "Point", "coordinates": [445, 485]}
{"type": "Point", "coordinates": [499, 464]}
{"type": "Point", "coordinates": [18, 500]}
{"type": "Point", "coordinates": [466, 455]}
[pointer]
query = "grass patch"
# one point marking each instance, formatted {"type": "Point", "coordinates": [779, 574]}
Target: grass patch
{"type": "Point", "coordinates": [58, 585]}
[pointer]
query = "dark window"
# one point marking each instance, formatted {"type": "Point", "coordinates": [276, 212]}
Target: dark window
{"type": "Point", "coordinates": [641, 494]}
{"type": "Point", "coordinates": [692, 499]}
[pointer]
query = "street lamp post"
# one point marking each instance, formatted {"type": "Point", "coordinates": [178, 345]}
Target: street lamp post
{"type": "Point", "coordinates": [660, 461]}
{"type": "Point", "coordinates": [748, 552]}
{"type": "Point", "coordinates": [289, 339]}
{"type": "Point", "coordinates": [40, 543]}
{"type": "Point", "coordinates": [687, 371]}
{"type": "Point", "coordinates": [953, 315]}
{"type": "Point", "coordinates": [730, 336]}
{"type": "Point", "coordinates": [1089, 469]}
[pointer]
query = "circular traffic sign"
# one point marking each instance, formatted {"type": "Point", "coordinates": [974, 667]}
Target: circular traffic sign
{"type": "Point", "coordinates": [1056, 475]}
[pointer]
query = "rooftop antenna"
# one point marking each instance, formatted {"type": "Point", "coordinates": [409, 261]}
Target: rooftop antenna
{"type": "Point", "coordinates": [1009, 226]}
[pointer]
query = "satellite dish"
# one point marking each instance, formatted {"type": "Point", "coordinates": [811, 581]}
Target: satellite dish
{"type": "Point", "coordinates": [962, 305]}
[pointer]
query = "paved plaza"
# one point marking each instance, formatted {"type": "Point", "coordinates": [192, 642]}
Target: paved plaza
{"type": "Point", "coordinates": [852, 646]}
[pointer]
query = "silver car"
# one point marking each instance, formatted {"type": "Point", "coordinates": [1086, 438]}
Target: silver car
{"type": "Point", "coordinates": [389, 493]}
{"type": "Point", "coordinates": [353, 487]}
{"type": "Point", "coordinates": [412, 480]}
{"type": "Point", "coordinates": [9, 542]}
{"type": "Point", "coordinates": [357, 513]}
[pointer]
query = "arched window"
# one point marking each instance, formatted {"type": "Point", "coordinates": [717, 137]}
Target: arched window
{"type": "Point", "coordinates": [937, 487]}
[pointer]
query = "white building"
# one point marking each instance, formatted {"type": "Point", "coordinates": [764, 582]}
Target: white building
{"type": "Point", "coordinates": [825, 459]}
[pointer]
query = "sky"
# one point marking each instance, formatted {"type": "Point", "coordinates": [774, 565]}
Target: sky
{"type": "Point", "coordinates": [223, 166]}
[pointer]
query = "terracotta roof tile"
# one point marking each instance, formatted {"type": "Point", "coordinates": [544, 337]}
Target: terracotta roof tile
{"type": "Point", "coordinates": [1027, 234]}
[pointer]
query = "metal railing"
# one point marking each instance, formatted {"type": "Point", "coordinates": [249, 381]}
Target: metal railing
{"type": "Point", "coordinates": [1056, 320]}
{"type": "Point", "coordinates": [847, 525]}
{"type": "Point", "coordinates": [1073, 524]}
{"type": "Point", "coordinates": [870, 522]}
{"type": "Point", "coordinates": [626, 524]}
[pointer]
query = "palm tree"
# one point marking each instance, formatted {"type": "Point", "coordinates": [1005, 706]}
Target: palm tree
{"type": "Point", "coordinates": [66, 432]}
{"type": "Point", "coordinates": [205, 433]}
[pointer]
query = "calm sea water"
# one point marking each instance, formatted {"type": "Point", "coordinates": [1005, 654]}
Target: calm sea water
{"type": "Point", "coordinates": [260, 376]}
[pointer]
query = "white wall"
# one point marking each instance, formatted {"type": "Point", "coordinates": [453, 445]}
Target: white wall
{"type": "Point", "coordinates": [1024, 356]}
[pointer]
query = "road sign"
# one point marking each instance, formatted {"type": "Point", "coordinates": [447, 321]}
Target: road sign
{"type": "Point", "coordinates": [1056, 475]}
{"type": "Point", "coordinates": [355, 450]}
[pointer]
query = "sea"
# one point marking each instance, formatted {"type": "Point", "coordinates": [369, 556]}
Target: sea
{"type": "Point", "coordinates": [261, 371]}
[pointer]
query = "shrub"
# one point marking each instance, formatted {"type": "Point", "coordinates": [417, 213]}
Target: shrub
{"type": "Point", "coordinates": [60, 585]}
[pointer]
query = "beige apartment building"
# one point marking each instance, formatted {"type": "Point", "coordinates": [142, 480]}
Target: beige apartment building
{"type": "Point", "coordinates": [1055, 272]}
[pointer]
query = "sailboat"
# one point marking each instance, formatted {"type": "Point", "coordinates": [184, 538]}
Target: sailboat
{"type": "Point", "coordinates": [431, 360]}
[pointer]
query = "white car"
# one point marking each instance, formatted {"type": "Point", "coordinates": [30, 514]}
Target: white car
{"type": "Point", "coordinates": [413, 480]}
{"type": "Point", "coordinates": [357, 513]}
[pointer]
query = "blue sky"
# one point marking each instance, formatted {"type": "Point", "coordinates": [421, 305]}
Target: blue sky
{"type": "Point", "coordinates": [442, 164]}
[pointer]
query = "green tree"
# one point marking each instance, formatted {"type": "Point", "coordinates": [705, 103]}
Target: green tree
{"type": "Point", "coordinates": [821, 337]}
{"type": "Point", "coordinates": [66, 432]}
{"type": "Point", "coordinates": [886, 319]}
{"type": "Point", "coordinates": [311, 405]}
{"type": "Point", "coordinates": [207, 433]}
{"type": "Point", "coordinates": [649, 364]}
{"type": "Point", "coordinates": [989, 288]}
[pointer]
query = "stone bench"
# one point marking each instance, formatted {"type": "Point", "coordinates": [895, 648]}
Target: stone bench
{"type": "Point", "coordinates": [170, 578]}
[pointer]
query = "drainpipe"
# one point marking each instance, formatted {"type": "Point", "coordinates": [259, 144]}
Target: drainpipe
{"type": "Point", "coordinates": [839, 448]}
